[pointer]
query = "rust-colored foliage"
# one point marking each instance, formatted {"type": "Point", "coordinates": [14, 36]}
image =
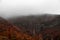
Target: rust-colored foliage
{"type": "Point", "coordinates": [11, 32]}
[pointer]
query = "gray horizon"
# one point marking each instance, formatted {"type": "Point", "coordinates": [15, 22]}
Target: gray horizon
{"type": "Point", "coordinates": [9, 8]}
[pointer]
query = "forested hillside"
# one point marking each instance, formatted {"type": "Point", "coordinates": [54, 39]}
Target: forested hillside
{"type": "Point", "coordinates": [36, 23]}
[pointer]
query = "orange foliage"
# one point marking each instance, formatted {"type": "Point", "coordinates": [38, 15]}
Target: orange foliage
{"type": "Point", "coordinates": [11, 32]}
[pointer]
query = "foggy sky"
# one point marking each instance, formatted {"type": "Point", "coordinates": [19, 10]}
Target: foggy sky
{"type": "Point", "coordinates": [10, 8]}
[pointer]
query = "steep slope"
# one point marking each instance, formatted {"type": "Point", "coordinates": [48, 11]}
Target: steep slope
{"type": "Point", "coordinates": [11, 32]}
{"type": "Point", "coordinates": [45, 27]}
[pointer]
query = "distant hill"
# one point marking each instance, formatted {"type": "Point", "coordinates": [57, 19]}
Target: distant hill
{"type": "Point", "coordinates": [43, 27]}
{"type": "Point", "coordinates": [36, 23]}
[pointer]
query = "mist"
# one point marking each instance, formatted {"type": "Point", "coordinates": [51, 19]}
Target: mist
{"type": "Point", "coordinates": [10, 8]}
